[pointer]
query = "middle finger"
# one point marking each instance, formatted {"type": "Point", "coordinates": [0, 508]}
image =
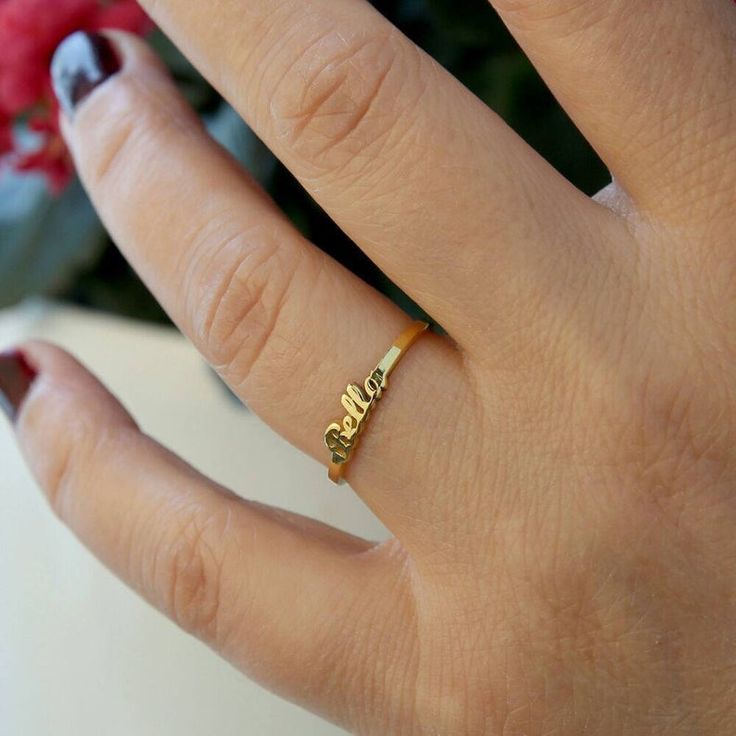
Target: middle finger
{"type": "Point", "coordinates": [412, 166]}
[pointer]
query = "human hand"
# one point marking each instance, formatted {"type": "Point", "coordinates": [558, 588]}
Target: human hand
{"type": "Point", "coordinates": [558, 474]}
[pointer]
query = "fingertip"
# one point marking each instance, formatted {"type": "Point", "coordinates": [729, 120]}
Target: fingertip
{"type": "Point", "coordinates": [81, 63]}
{"type": "Point", "coordinates": [86, 62]}
{"type": "Point", "coordinates": [22, 368]}
{"type": "Point", "coordinates": [17, 376]}
{"type": "Point", "coordinates": [66, 414]}
{"type": "Point", "coordinates": [62, 393]}
{"type": "Point", "coordinates": [116, 97]}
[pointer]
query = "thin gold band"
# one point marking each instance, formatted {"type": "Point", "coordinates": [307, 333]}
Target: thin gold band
{"type": "Point", "coordinates": [359, 401]}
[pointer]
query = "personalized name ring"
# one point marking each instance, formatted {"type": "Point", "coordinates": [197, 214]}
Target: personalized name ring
{"type": "Point", "coordinates": [359, 401]}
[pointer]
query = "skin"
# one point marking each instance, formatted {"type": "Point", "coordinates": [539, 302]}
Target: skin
{"type": "Point", "coordinates": [558, 473]}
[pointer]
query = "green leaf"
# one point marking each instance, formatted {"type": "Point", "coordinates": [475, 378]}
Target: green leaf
{"type": "Point", "coordinates": [44, 241]}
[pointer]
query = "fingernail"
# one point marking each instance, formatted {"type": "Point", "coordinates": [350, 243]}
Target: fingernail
{"type": "Point", "coordinates": [81, 63]}
{"type": "Point", "coordinates": [16, 378]}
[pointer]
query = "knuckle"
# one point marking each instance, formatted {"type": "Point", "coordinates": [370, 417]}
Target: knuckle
{"type": "Point", "coordinates": [339, 97]}
{"type": "Point", "coordinates": [240, 289]}
{"type": "Point", "coordinates": [73, 456]}
{"type": "Point", "coordinates": [106, 156]}
{"type": "Point", "coordinates": [76, 440]}
{"type": "Point", "coordinates": [680, 441]}
{"type": "Point", "coordinates": [188, 572]}
{"type": "Point", "coordinates": [59, 471]}
{"type": "Point", "coordinates": [665, 441]}
{"type": "Point", "coordinates": [81, 447]}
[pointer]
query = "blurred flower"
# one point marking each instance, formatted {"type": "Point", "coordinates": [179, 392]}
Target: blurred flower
{"type": "Point", "coordinates": [6, 134]}
{"type": "Point", "coordinates": [30, 31]}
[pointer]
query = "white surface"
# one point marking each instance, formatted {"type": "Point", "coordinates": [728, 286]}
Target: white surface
{"type": "Point", "coordinates": [80, 655]}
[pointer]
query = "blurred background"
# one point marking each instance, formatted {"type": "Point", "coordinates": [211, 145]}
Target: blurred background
{"type": "Point", "coordinates": [52, 244]}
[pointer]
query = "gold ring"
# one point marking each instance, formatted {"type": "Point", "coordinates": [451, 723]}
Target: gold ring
{"type": "Point", "coordinates": [359, 401]}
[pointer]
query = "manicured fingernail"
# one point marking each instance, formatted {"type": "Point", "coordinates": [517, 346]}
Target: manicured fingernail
{"type": "Point", "coordinates": [82, 63]}
{"type": "Point", "coordinates": [16, 378]}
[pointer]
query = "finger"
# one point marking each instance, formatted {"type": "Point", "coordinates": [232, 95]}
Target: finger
{"type": "Point", "coordinates": [425, 178]}
{"type": "Point", "coordinates": [285, 325]}
{"type": "Point", "coordinates": [284, 598]}
{"type": "Point", "coordinates": [651, 86]}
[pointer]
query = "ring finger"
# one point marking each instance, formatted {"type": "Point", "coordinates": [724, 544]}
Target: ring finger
{"type": "Point", "coordinates": [285, 325]}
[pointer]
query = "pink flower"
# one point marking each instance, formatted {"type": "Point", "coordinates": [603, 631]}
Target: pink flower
{"type": "Point", "coordinates": [30, 31]}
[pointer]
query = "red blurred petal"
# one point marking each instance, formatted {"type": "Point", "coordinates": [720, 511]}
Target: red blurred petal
{"type": "Point", "coordinates": [30, 31]}
{"type": "Point", "coordinates": [125, 15]}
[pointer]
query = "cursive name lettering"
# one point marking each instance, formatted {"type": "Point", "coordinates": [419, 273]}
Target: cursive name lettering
{"type": "Point", "coordinates": [358, 402]}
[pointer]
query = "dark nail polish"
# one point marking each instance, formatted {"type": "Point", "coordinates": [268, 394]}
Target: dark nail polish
{"type": "Point", "coordinates": [81, 63]}
{"type": "Point", "coordinates": [16, 378]}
